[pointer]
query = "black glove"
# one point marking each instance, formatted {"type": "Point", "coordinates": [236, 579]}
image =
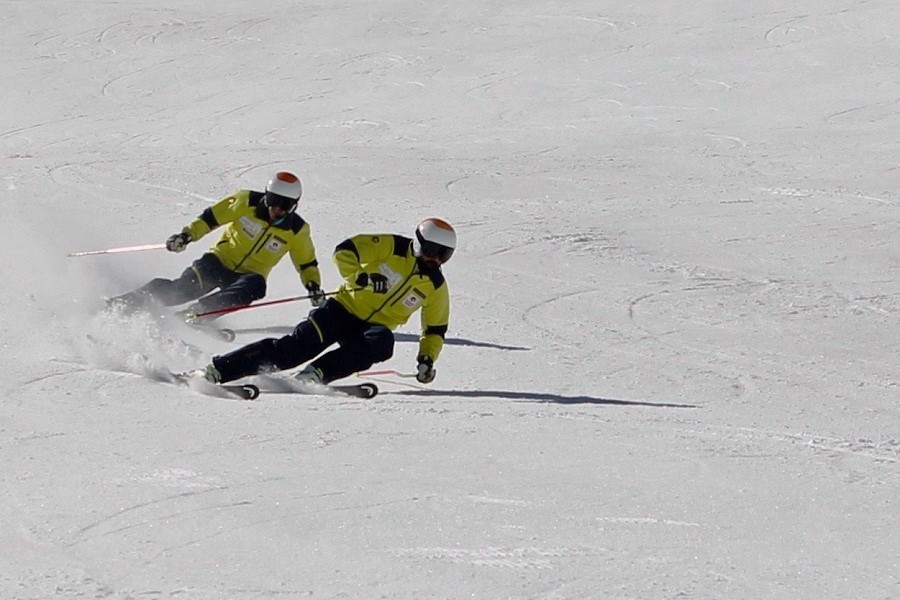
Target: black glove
{"type": "Point", "coordinates": [316, 295]}
{"type": "Point", "coordinates": [178, 242]}
{"type": "Point", "coordinates": [379, 282]}
{"type": "Point", "coordinates": [425, 370]}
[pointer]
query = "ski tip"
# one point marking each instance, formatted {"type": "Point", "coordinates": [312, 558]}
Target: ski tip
{"type": "Point", "coordinates": [196, 380]}
{"type": "Point", "coordinates": [358, 390]}
{"type": "Point", "coordinates": [249, 391]}
{"type": "Point", "coordinates": [370, 389]}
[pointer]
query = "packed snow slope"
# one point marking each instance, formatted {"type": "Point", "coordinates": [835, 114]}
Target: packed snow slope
{"type": "Point", "coordinates": [671, 370]}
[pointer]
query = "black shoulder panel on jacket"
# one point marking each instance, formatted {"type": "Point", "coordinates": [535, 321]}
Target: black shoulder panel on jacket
{"type": "Point", "coordinates": [295, 223]}
{"type": "Point", "coordinates": [436, 277]}
{"type": "Point", "coordinates": [401, 245]}
{"type": "Point", "coordinates": [255, 198]}
{"type": "Point", "coordinates": [209, 218]}
{"type": "Point", "coordinates": [347, 245]}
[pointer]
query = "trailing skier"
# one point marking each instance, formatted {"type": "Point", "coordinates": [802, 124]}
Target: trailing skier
{"type": "Point", "coordinates": [259, 229]}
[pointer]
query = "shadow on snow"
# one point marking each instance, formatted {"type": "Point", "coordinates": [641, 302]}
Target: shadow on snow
{"type": "Point", "coordinates": [535, 397]}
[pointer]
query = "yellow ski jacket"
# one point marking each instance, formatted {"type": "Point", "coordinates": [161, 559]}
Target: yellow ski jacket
{"type": "Point", "coordinates": [410, 288]}
{"type": "Point", "coordinates": [249, 243]}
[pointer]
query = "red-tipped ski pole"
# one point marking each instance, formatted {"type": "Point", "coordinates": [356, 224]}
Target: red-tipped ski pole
{"type": "Point", "coordinates": [139, 248]}
{"type": "Point", "coordinates": [385, 372]}
{"type": "Point", "coordinates": [231, 309]}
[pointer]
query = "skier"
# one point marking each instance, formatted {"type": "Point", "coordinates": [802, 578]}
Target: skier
{"type": "Point", "coordinates": [260, 228]}
{"type": "Point", "coordinates": [387, 279]}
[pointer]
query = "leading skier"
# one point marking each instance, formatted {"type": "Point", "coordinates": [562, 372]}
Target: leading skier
{"type": "Point", "coordinates": [387, 279]}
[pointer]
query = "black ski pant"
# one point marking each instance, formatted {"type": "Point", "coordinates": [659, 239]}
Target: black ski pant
{"type": "Point", "coordinates": [361, 344]}
{"type": "Point", "coordinates": [203, 276]}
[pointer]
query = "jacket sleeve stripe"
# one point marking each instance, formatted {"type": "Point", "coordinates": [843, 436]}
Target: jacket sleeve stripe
{"type": "Point", "coordinates": [209, 218]}
{"type": "Point", "coordinates": [439, 330]}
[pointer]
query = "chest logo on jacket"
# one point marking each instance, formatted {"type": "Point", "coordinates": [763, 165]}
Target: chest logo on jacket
{"type": "Point", "coordinates": [251, 228]}
{"type": "Point", "coordinates": [393, 276]}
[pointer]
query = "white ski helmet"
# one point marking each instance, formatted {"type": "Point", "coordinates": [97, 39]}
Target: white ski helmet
{"type": "Point", "coordinates": [435, 240]}
{"type": "Point", "coordinates": [283, 190]}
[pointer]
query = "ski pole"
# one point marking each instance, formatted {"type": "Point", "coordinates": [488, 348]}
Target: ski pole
{"type": "Point", "coordinates": [385, 372]}
{"type": "Point", "coordinates": [231, 309]}
{"type": "Point", "coordinates": [138, 248]}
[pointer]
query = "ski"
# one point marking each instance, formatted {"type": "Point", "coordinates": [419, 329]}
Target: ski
{"type": "Point", "coordinates": [220, 333]}
{"type": "Point", "coordinates": [245, 391]}
{"type": "Point", "coordinates": [206, 326]}
{"type": "Point", "coordinates": [272, 384]}
{"type": "Point", "coordinates": [358, 390]}
{"type": "Point", "coordinates": [133, 304]}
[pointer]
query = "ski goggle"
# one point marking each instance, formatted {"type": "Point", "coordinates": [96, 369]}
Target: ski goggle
{"type": "Point", "coordinates": [282, 202]}
{"type": "Point", "coordinates": [432, 250]}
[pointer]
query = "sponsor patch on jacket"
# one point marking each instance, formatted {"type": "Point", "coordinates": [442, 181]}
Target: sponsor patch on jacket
{"type": "Point", "coordinates": [413, 299]}
{"type": "Point", "coordinates": [275, 244]}
{"type": "Point", "coordinates": [251, 228]}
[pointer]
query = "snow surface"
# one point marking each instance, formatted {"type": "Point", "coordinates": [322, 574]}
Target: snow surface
{"type": "Point", "coordinates": [671, 371]}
